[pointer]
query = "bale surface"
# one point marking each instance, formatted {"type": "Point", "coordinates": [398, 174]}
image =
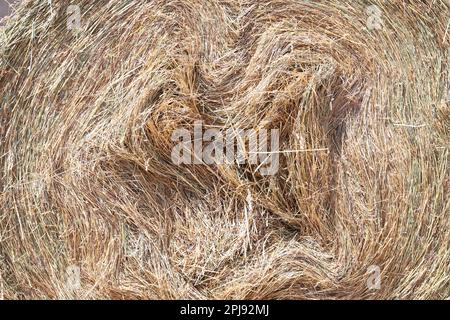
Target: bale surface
{"type": "Point", "coordinates": [87, 180]}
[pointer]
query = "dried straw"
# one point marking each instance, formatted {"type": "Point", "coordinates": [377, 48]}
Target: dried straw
{"type": "Point", "coordinates": [86, 177]}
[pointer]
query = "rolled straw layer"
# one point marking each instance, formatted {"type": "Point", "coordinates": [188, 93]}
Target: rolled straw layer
{"type": "Point", "coordinates": [358, 209]}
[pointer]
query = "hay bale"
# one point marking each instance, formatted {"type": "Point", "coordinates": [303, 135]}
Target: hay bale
{"type": "Point", "coordinates": [92, 205]}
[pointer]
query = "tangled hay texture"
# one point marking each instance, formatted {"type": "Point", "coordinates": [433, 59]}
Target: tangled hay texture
{"type": "Point", "coordinates": [86, 176]}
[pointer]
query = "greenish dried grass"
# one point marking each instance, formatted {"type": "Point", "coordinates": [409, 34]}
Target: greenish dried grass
{"type": "Point", "coordinates": [85, 171]}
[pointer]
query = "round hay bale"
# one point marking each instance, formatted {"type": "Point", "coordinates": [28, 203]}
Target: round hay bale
{"type": "Point", "coordinates": [92, 204]}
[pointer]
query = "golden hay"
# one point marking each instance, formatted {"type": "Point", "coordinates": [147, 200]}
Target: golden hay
{"type": "Point", "coordinates": [87, 180]}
